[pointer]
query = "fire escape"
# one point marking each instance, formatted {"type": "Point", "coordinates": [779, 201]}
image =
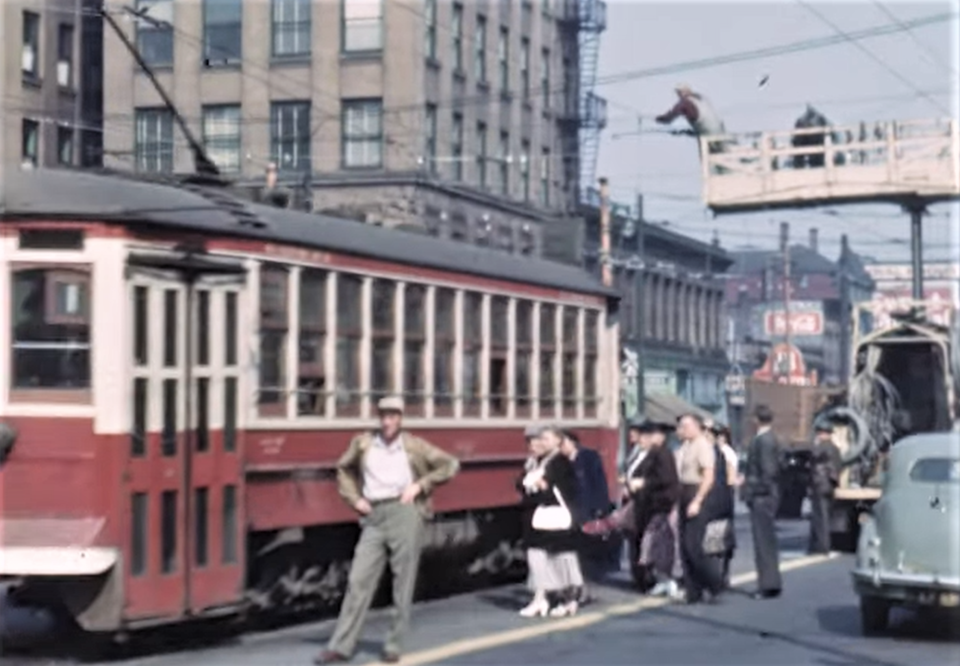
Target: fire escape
{"type": "Point", "coordinates": [587, 19]}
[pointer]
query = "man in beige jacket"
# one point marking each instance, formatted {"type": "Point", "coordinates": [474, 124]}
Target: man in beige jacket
{"type": "Point", "coordinates": [387, 477]}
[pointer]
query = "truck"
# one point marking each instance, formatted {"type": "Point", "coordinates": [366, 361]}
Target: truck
{"type": "Point", "coordinates": [904, 380]}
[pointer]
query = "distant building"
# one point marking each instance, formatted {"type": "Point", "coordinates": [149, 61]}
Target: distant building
{"type": "Point", "coordinates": [460, 118]}
{"type": "Point", "coordinates": [671, 296]}
{"type": "Point", "coordinates": [822, 293]}
{"type": "Point", "coordinates": [51, 79]}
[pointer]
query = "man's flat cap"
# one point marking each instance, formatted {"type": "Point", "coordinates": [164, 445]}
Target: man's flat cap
{"type": "Point", "coordinates": [647, 426]}
{"type": "Point", "coordinates": [390, 403]}
{"type": "Point", "coordinates": [533, 430]}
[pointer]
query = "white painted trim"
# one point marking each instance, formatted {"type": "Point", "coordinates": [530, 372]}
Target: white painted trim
{"type": "Point", "coordinates": [56, 561]}
{"type": "Point", "coordinates": [49, 410]}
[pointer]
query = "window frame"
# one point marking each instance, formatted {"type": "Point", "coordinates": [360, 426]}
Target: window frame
{"type": "Point", "coordinates": [357, 22]}
{"type": "Point", "coordinates": [503, 58]}
{"type": "Point", "coordinates": [213, 60]}
{"type": "Point", "coordinates": [356, 335]}
{"type": "Point", "coordinates": [369, 141]}
{"type": "Point", "coordinates": [525, 169]}
{"type": "Point", "coordinates": [300, 144]}
{"type": "Point", "coordinates": [430, 29]}
{"type": "Point", "coordinates": [279, 276]}
{"type": "Point", "coordinates": [545, 177]}
{"type": "Point", "coordinates": [74, 273]}
{"type": "Point", "coordinates": [569, 344]}
{"type": "Point", "coordinates": [547, 350]}
{"type": "Point", "coordinates": [499, 352]}
{"type": "Point", "coordinates": [415, 396]}
{"type": "Point", "coordinates": [282, 28]}
{"type": "Point", "coordinates": [456, 20]}
{"type": "Point", "coordinates": [31, 42]}
{"type": "Point", "coordinates": [66, 45]}
{"type": "Point", "coordinates": [524, 344]}
{"type": "Point", "coordinates": [480, 50]}
{"type": "Point", "coordinates": [525, 67]}
{"type": "Point", "coordinates": [473, 338]}
{"type": "Point", "coordinates": [380, 332]}
{"type": "Point", "coordinates": [30, 127]}
{"type": "Point", "coordinates": [161, 30]}
{"type": "Point", "coordinates": [445, 341]}
{"type": "Point", "coordinates": [545, 77]}
{"type": "Point", "coordinates": [481, 159]}
{"type": "Point", "coordinates": [430, 149]}
{"type": "Point", "coordinates": [504, 164]}
{"type": "Point", "coordinates": [160, 152]}
{"type": "Point", "coordinates": [591, 355]}
{"type": "Point", "coordinates": [312, 380]}
{"type": "Point", "coordinates": [456, 146]}
{"type": "Point", "coordinates": [65, 141]}
{"type": "Point", "coordinates": [221, 143]}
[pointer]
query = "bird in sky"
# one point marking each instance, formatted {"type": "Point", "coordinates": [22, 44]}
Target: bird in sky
{"type": "Point", "coordinates": [763, 81]}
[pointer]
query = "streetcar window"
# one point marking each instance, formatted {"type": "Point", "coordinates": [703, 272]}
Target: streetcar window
{"type": "Point", "coordinates": [168, 438]}
{"type": "Point", "coordinates": [231, 330]}
{"type": "Point", "coordinates": [138, 433]}
{"type": "Point", "coordinates": [201, 505]}
{"type": "Point", "coordinates": [50, 322]}
{"type": "Point", "coordinates": [499, 350]}
{"type": "Point", "coordinates": [202, 432]}
{"type": "Point", "coordinates": [384, 338]}
{"type": "Point", "coordinates": [445, 341]}
{"type": "Point", "coordinates": [273, 340]}
{"type": "Point", "coordinates": [590, 346]}
{"type": "Point", "coordinates": [51, 239]}
{"type": "Point", "coordinates": [571, 348]}
{"type": "Point", "coordinates": [548, 355]}
{"type": "Point", "coordinates": [472, 350]}
{"type": "Point", "coordinates": [349, 336]}
{"type": "Point", "coordinates": [170, 330]}
{"type": "Point", "coordinates": [203, 327]}
{"type": "Point", "coordinates": [311, 379]}
{"type": "Point", "coordinates": [414, 342]}
{"type": "Point", "coordinates": [138, 534]}
{"type": "Point", "coordinates": [524, 356]}
{"type": "Point", "coordinates": [141, 335]}
{"type": "Point", "coordinates": [168, 531]}
{"type": "Point", "coordinates": [230, 414]}
{"type": "Point", "coordinates": [228, 526]}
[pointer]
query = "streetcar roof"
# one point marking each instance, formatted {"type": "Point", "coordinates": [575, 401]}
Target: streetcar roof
{"type": "Point", "coordinates": [129, 198]}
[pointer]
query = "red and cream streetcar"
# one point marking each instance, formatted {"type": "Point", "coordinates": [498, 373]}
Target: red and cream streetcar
{"type": "Point", "coordinates": [181, 369]}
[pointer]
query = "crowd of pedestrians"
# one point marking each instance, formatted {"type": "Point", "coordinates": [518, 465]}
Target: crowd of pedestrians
{"type": "Point", "coordinates": [677, 491]}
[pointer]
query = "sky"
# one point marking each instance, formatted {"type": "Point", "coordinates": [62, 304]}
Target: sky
{"type": "Point", "coordinates": [844, 83]}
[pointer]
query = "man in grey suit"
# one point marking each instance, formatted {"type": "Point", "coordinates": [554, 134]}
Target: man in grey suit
{"type": "Point", "coordinates": [761, 492]}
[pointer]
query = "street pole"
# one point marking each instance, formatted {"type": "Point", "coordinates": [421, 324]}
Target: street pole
{"type": "Point", "coordinates": [606, 273]}
{"type": "Point", "coordinates": [846, 311]}
{"type": "Point", "coordinates": [641, 311]}
{"type": "Point", "coordinates": [916, 249]}
{"type": "Point", "coordinates": [785, 249]}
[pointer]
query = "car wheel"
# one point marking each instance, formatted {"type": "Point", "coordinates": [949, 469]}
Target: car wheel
{"type": "Point", "coordinates": [874, 615]}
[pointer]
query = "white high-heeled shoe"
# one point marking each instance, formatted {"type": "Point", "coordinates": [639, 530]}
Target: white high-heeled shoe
{"type": "Point", "coordinates": [565, 610]}
{"type": "Point", "coordinates": [539, 607]}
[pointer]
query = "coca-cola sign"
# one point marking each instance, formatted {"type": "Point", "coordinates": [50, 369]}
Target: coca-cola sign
{"type": "Point", "coordinates": [801, 323]}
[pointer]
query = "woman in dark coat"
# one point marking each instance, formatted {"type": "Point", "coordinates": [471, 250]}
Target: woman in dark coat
{"type": "Point", "coordinates": [654, 487]}
{"type": "Point", "coordinates": [551, 554]}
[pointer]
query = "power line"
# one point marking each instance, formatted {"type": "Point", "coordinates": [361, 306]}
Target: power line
{"type": "Point", "coordinates": [848, 37]}
{"type": "Point", "coordinates": [933, 56]}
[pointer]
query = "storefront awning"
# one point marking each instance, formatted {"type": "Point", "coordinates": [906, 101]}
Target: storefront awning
{"type": "Point", "coordinates": [667, 408]}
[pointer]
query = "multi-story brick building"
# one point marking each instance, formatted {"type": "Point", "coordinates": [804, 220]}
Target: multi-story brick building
{"type": "Point", "coordinates": [50, 80]}
{"type": "Point", "coordinates": [460, 117]}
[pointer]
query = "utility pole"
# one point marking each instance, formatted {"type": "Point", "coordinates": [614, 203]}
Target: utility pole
{"type": "Point", "coordinates": [641, 310]}
{"type": "Point", "coordinates": [846, 312]}
{"type": "Point", "coordinates": [785, 250]}
{"type": "Point", "coordinates": [605, 268]}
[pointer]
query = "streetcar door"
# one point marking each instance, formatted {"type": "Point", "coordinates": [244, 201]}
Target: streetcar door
{"type": "Point", "coordinates": [183, 472]}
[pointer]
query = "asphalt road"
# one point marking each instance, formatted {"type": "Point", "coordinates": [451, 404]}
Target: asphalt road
{"type": "Point", "coordinates": [815, 622]}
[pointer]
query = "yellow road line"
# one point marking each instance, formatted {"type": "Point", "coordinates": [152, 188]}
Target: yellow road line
{"type": "Point", "coordinates": [509, 637]}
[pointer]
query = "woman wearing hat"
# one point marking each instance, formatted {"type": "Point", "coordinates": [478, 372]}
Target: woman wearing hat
{"type": "Point", "coordinates": [549, 490]}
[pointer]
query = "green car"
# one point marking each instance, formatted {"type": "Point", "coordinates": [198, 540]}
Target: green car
{"type": "Point", "coordinates": [909, 549]}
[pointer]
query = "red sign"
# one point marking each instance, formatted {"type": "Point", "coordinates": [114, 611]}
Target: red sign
{"type": "Point", "coordinates": [785, 365]}
{"type": "Point", "coordinates": [801, 323]}
{"type": "Point", "coordinates": [938, 304]}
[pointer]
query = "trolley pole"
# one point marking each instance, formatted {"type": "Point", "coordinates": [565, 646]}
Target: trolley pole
{"type": "Point", "coordinates": [785, 249]}
{"type": "Point", "coordinates": [605, 268]}
{"type": "Point", "coordinates": [916, 248]}
{"type": "Point", "coordinates": [641, 306]}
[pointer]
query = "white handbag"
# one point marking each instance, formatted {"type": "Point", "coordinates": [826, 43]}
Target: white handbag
{"type": "Point", "coordinates": [553, 518]}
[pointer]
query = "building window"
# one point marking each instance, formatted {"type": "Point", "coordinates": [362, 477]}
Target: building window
{"type": "Point", "coordinates": [430, 18]}
{"type": "Point", "coordinates": [30, 58]}
{"type": "Point", "coordinates": [524, 357]}
{"type": "Point", "coordinates": [570, 342]}
{"type": "Point", "coordinates": [456, 144]}
{"type": "Point", "coordinates": [548, 355]}
{"type": "Point", "coordinates": [50, 321]}
{"type": "Point", "coordinates": [384, 338]}
{"type": "Point", "coordinates": [203, 327]}
{"type": "Point", "coordinates": [222, 32]}
{"type": "Point", "coordinates": [290, 136]}
{"type": "Point", "coordinates": [362, 25]}
{"type": "Point", "coordinates": [30, 142]}
{"type": "Point", "coordinates": [291, 28]}
{"type": "Point", "coordinates": [349, 337]}
{"type": "Point", "coordinates": [472, 350]}
{"type": "Point", "coordinates": [525, 67]}
{"type": "Point", "coordinates": [311, 375]}
{"type": "Point", "coordinates": [499, 350]}
{"type": "Point", "coordinates": [525, 169]}
{"type": "Point", "coordinates": [545, 177]}
{"type": "Point", "coordinates": [154, 140]}
{"type": "Point", "coordinates": [480, 50]}
{"type": "Point", "coordinates": [221, 136]}
{"type": "Point", "coordinates": [362, 134]}
{"type": "Point", "coordinates": [591, 346]}
{"type": "Point", "coordinates": [545, 79]}
{"type": "Point", "coordinates": [414, 344]}
{"type": "Point", "coordinates": [445, 345]}
{"type": "Point", "coordinates": [431, 132]}
{"type": "Point", "coordinates": [274, 298]}
{"type": "Point", "coordinates": [155, 33]}
{"type": "Point", "coordinates": [64, 144]}
{"type": "Point", "coordinates": [504, 164]}
{"type": "Point", "coordinates": [65, 55]}
{"type": "Point", "coordinates": [503, 57]}
{"type": "Point", "coordinates": [482, 155]}
{"type": "Point", "coordinates": [457, 37]}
